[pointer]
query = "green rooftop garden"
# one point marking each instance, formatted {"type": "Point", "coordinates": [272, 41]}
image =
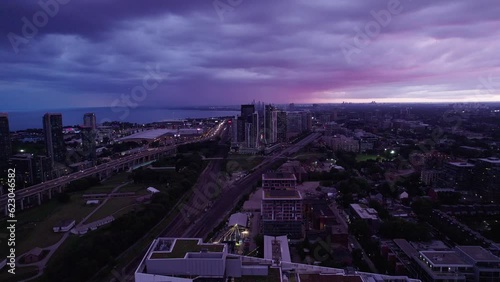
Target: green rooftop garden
{"type": "Point", "coordinates": [183, 246]}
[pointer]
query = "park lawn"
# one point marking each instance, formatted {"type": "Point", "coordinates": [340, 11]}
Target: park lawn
{"type": "Point", "coordinates": [67, 244]}
{"type": "Point", "coordinates": [21, 273]}
{"type": "Point", "coordinates": [41, 234]}
{"type": "Point", "coordinates": [108, 185]}
{"type": "Point", "coordinates": [110, 207]}
{"type": "Point", "coordinates": [139, 188]}
{"type": "Point", "coordinates": [27, 220]}
{"type": "Point", "coordinates": [117, 179]}
{"type": "Point", "coordinates": [125, 210]}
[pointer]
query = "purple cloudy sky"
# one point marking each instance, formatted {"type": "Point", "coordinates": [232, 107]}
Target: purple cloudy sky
{"type": "Point", "coordinates": [91, 52]}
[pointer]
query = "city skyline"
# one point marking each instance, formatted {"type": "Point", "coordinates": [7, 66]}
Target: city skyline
{"type": "Point", "coordinates": [238, 140]}
{"type": "Point", "coordinates": [206, 53]}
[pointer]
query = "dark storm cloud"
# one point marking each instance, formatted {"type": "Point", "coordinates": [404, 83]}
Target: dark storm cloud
{"type": "Point", "coordinates": [91, 52]}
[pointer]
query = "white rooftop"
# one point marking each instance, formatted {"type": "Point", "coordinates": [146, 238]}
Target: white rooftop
{"type": "Point", "coordinates": [364, 212]}
{"type": "Point", "coordinates": [239, 219]}
{"type": "Point", "coordinates": [149, 134]}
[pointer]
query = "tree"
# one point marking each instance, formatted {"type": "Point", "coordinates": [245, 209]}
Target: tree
{"type": "Point", "coordinates": [360, 229]}
{"type": "Point", "coordinates": [382, 212]}
{"type": "Point", "coordinates": [422, 207]}
{"type": "Point", "coordinates": [63, 197]}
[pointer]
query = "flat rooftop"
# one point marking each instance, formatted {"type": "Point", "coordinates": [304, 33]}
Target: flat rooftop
{"type": "Point", "coordinates": [444, 258]}
{"type": "Point", "coordinates": [281, 195]}
{"type": "Point", "coordinates": [365, 212]}
{"type": "Point", "coordinates": [322, 210]}
{"type": "Point", "coordinates": [278, 176]}
{"type": "Point", "coordinates": [406, 247]}
{"type": "Point", "coordinates": [240, 219]}
{"type": "Point", "coordinates": [178, 248]}
{"type": "Point", "coordinates": [149, 134]}
{"type": "Point", "coordinates": [478, 254]}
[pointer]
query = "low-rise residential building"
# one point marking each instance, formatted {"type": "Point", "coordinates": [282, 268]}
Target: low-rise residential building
{"type": "Point", "coordinates": [430, 177]}
{"type": "Point", "coordinates": [322, 222]}
{"type": "Point", "coordinates": [366, 214]}
{"type": "Point", "coordinates": [457, 175]}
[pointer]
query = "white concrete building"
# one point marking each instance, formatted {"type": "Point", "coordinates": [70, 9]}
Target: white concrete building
{"type": "Point", "coordinates": [189, 259]}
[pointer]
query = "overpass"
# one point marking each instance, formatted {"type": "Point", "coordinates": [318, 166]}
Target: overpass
{"type": "Point", "coordinates": [36, 194]}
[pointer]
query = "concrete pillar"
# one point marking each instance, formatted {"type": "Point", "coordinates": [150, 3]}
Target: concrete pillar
{"type": "Point", "coordinates": [6, 210]}
{"type": "Point", "coordinates": [22, 203]}
{"type": "Point", "coordinates": [50, 194]}
{"type": "Point", "coordinates": [39, 198]}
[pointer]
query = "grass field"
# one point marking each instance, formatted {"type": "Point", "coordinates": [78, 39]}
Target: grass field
{"type": "Point", "coordinates": [34, 225]}
{"type": "Point", "coordinates": [108, 185]}
{"type": "Point", "coordinates": [111, 206]}
{"type": "Point", "coordinates": [67, 244]}
{"type": "Point", "coordinates": [139, 189]}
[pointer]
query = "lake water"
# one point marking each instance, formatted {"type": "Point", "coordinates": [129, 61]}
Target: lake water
{"type": "Point", "coordinates": [19, 120]}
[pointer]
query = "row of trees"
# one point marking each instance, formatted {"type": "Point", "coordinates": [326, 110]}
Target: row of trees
{"type": "Point", "coordinates": [207, 148]}
{"type": "Point", "coordinates": [82, 184]}
{"type": "Point", "coordinates": [89, 254]}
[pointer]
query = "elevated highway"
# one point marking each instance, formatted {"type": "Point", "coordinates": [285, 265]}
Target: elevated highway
{"type": "Point", "coordinates": [36, 194]}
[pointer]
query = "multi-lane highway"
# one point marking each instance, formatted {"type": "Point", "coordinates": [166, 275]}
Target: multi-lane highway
{"type": "Point", "coordinates": [106, 168]}
{"type": "Point", "coordinates": [96, 170]}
